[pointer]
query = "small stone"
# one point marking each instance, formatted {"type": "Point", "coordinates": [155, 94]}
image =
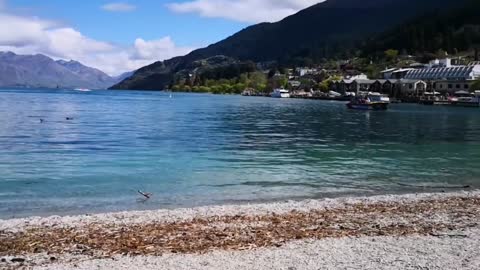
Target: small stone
{"type": "Point", "coordinates": [53, 259]}
{"type": "Point", "coordinates": [3, 260]}
{"type": "Point", "coordinates": [17, 260]}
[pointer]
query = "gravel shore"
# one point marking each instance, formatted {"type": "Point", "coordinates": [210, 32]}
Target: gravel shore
{"type": "Point", "coordinates": [176, 215]}
{"type": "Point", "coordinates": [415, 231]}
{"type": "Point", "coordinates": [453, 250]}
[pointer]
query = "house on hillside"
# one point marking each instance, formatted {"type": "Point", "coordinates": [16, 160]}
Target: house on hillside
{"type": "Point", "coordinates": [294, 83]}
{"type": "Point", "coordinates": [306, 71]}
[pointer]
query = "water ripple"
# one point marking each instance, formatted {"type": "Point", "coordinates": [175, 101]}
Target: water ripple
{"type": "Point", "coordinates": [204, 149]}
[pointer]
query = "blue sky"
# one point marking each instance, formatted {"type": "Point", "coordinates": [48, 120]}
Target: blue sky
{"type": "Point", "coordinates": [150, 20]}
{"type": "Point", "coordinates": [120, 36]}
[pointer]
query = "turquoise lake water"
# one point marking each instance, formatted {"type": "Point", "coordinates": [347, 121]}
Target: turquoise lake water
{"type": "Point", "coordinates": [193, 149]}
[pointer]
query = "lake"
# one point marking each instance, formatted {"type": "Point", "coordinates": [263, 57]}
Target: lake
{"type": "Point", "coordinates": [199, 149]}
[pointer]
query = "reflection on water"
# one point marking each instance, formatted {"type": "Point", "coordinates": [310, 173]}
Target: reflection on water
{"type": "Point", "coordinates": [202, 149]}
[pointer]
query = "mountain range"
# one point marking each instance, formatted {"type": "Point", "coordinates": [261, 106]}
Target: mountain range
{"type": "Point", "coordinates": [325, 30]}
{"type": "Point", "coordinates": [40, 71]}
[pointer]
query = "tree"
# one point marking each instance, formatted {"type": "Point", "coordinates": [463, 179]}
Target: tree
{"type": "Point", "coordinates": [372, 71]}
{"type": "Point", "coordinates": [441, 53]}
{"type": "Point", "coordinates": [258, 80]}
{"type": "Point", "coordinates": [475, 86]}
{"type": "Point", "coordinates": [324, 86]}
{"type": "Point", "coordinates": [238, 88]}
{"type": "Point", "coordinates": [391, 54]}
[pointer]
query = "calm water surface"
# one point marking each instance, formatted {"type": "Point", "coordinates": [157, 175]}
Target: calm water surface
{"type": "Point", "coordinates": [192, 150]}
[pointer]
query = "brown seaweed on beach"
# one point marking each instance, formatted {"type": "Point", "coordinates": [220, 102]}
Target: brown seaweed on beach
{"type": "Point", "coordinates": [243, 232]}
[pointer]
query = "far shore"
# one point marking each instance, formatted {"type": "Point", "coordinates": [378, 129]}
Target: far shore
{"type": "Point", "coordinates": [124, 238]}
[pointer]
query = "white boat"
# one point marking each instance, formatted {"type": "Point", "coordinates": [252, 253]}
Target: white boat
{"type": "Point", "coordinates": [465, 99]}
{"type": "Point", "coordinates": [82, 89]}
{"type": "Point", "coordinates": [280, 93]}
{"type": "Point", "coordinates": [377, 97]}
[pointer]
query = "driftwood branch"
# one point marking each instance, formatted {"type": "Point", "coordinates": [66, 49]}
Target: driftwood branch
{"type": "Point", "coordinates": [146, 195]}
{"type": "Point", "coordinates": [434, 187]}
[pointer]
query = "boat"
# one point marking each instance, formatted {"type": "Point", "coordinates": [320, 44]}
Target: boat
{"type": "Point", "coordinates": [82, 89]}
{"type": "Point", "coordinates": [432, 98]}
{"type": "Point", "coordinates": [371, 101]}
{"type": "Point", "coordinates": [280, 93]}
{"type": "Point", "coordinates": [465, 99]}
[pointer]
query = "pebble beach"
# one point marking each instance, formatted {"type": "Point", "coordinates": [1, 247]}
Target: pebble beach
{"type": "Point", "coordinates": [413, 231]}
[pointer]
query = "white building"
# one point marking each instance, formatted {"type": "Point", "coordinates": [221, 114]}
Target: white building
{"type": "Point", "coordinates": [447, 62]}
{"type": "Point", "coordinates": [306, 71]}
{"type": "Point", "coordinates": [358, 77]}
{"type": "Point", "coordinates": [294, 83]}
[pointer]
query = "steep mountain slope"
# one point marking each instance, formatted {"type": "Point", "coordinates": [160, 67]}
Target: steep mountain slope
{"type": "Point", "coordinates": [455, 29]}
{"type": "Point", "coordinates": [42, 71]}
{"type": "Point", "coordinates": [323, 30]}
{"type": "Point", "coordinates": [123, 76]}
{"type": "Point", "coordinates": [88, 74]}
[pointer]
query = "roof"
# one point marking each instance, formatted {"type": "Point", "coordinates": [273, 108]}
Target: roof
{"type": "Point", "coordinates": [410, 81]}
{"type": "Point", "coordinates": [388, 70]}
{"type": "Point", "coordinates": [361, 81]}
{"type": "Point", "coordinates": [403, 70]}
{"type": "Point", "coordinates": [417, 65]}
{"type": "Point", "coordinates": [449, 73]}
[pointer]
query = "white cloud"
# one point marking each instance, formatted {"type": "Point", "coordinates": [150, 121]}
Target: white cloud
{"type": "Point", "coordinates": [21, 31]}
{"type": "Point", "coordinates": [157, 49]}
{"type": "Point", "coordinates": [250, 11]}
{"type": "Point", "coordinates": [30, 35]}
{"type": "Point", "coordinates": [119, 7]}
{"type": "Point", "coordinates": [69, 42]}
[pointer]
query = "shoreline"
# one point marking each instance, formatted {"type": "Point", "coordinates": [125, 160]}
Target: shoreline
{"type": "Point", "coordinates": [178, 214]}
{"type": "Point", "coordinates": [235, 229]}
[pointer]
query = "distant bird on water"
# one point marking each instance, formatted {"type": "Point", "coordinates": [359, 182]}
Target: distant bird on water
{"type": "Point", "coordinates": [69, 118]}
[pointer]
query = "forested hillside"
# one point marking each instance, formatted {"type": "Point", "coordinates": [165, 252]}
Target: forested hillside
{"type": "Point", "coordinates": [454, 30]}
{"type": "Point", "coordinates": [334, 29]}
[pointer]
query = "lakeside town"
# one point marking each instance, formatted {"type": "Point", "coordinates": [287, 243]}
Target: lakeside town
{"type": "Point", "coordinates": [222, 135]}
{"type": "Point", "coordinates": [439, 82]}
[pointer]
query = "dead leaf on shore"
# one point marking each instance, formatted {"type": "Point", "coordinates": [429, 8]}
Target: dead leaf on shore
{"type": "Point", "coordinates": [201, 235]}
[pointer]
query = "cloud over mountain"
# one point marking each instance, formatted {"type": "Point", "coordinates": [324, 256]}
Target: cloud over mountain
{"type": "Point", "coordinates": [250, 11]}
{"type": "Point", "coordinates": [31, 35]}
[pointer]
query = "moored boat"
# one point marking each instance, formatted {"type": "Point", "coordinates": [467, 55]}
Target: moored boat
{"type": "Point", "coordinates": [372, 101]}
{"type": "Point", "coordinates": [280, 93]}
{"type": "Point", "coordinates": [466, 99]}
{"type": "Point", "coordinates": [429, 98]}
